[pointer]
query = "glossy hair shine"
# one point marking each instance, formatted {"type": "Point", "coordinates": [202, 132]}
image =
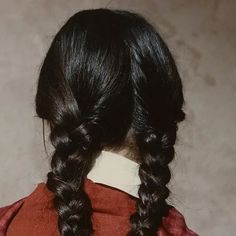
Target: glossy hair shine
{"type": "Point", "coordinates": [108, 72]}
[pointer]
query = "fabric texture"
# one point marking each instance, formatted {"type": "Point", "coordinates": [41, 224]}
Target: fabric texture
{"type": "Point", "coordinates": [34, 215]}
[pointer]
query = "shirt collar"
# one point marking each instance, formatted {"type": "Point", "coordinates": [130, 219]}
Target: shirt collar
{"type": "Point", "coordinates": [117, 171]}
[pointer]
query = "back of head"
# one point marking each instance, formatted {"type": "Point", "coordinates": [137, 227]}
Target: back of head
{"type": "Point", "coordinates": [106, 73]}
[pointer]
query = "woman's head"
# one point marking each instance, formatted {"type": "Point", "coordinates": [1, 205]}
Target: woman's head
{"type": "Point", "coordinates": [107, 74]}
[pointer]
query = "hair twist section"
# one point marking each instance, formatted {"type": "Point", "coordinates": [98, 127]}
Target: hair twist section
{"type": "Point", "coordinates": [70, 165]}
{"type": "Point", "coordinates": [154, 173]}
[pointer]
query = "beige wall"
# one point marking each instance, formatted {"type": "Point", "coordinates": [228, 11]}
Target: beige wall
{"type": "Point", "coordinates": [202, 36]}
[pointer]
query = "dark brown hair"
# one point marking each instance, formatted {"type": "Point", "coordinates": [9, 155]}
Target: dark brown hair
{"type": "Point", "coordinates": [105, 73]}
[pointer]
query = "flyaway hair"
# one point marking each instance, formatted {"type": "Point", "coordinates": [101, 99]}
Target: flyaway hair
{"type": "Point", "coordinates": [108, 72]}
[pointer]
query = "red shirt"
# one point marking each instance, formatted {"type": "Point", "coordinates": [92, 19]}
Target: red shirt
{"type": "Point", "coordinates": [34, 215]}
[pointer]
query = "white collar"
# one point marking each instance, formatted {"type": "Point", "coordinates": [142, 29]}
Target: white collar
{"type": "Point", "coordinates": [117, 171]}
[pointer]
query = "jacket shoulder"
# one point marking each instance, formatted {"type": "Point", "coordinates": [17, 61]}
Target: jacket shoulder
{"type": "Point", "coordinates": [37, 207]}
{"type": "Point", "coordinates": [11, 215]}
{"type": "Point", "coordinates": [7, 213]}
{"type": "Point", "coordinates": [174, 224]}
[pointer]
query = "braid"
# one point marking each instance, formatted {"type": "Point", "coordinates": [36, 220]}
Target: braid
{"type": "Point", "coordinates": [70, 164]}
{"type": "Point", "coordinates": [158, 108]}
{"type": "Point", "coordinates": [157, 151]}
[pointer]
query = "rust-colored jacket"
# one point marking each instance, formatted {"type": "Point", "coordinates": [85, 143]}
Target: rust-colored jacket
{"type": "Point", "coordinates": [34, 215]}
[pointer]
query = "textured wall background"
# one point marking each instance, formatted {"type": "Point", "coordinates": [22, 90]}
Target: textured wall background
{"type": "Point", "coordinates": [202, 36]}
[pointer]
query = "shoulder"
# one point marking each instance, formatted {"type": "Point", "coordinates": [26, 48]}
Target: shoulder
{"type": "Point", "coordinates": [38, 207]}
{"type": "Point", "coordinates": [29, 213]}
{"type": "Point", "coordinates": [174, 224]}
{"type": "Point", "coordinates": [7, 213]}
{"type": "Point", "coordinates": [39, 195]}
